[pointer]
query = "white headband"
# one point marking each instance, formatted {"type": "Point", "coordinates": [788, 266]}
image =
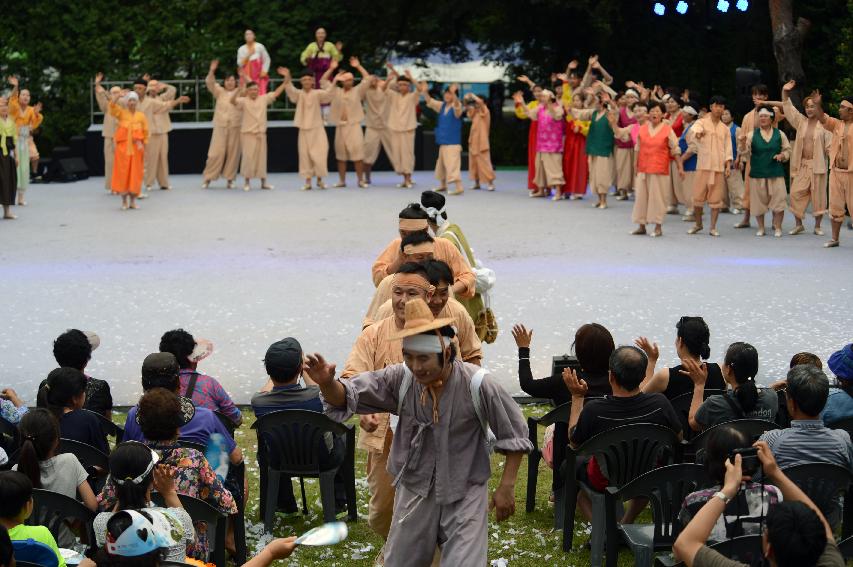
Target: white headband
{"type": "Point", "coordinates": [425, 344]}
{"type": "Point", "coordinates": [690, 110]}
{"type": "Point", "coordinates": [666, 97]}
{"type": "Point", "coordinates": [766, 112]}
{"type": "Point", "coordinates": [633, 93]}
{"type": "Point", "coordinates": [435, 214]}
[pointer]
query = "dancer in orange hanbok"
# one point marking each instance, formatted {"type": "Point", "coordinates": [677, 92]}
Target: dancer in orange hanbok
{"type": "Point", "coordinates": [130, 138]}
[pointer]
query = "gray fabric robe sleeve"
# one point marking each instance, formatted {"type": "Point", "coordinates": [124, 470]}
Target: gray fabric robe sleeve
{"type": "Point", "coordinates": [505, 418]}
{"type": "Point", "coordinates": [367, 393]}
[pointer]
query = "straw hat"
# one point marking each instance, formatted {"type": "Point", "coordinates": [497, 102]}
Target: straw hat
{"type": "Point", "coordinates": [419, 320]}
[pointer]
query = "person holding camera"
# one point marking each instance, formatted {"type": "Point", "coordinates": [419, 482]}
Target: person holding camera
{"type": "Point", "coordinates": [743, 515]}
{"type": "Point", "coordinates": [796, 534]}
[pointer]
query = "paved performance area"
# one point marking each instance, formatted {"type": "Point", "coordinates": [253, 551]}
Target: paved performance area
{"type": "Point", "coordinates": [246, 269]}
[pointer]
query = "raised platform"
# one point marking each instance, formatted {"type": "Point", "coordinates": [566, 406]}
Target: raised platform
{"type": "Point", "coordinates": [188, 143]}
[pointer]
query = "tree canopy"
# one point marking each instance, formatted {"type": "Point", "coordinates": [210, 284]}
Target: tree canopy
{"type": "Point", "coordinates": [57, 47]}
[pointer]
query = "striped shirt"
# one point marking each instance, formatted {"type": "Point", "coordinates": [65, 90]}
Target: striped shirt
{"type": "Point", "coordinates": [810, 441]}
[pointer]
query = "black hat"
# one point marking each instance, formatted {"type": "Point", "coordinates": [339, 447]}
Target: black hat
{"type": "Point", "coordinates": [284, 358]}
{"type": "Point", "coordinates": [159, 370]}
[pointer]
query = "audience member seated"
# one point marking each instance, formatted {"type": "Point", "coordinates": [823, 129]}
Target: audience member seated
{"type": "Point", "coordinates": [73, 349]}
{"type": "Point", "coordinates": [692, 344]}
{"type": "Point", "coordinates": [796, 534]}
{"type": "Point", "coordinates": [16, 506]}
{"type": "Point", "coordinates": [744, 401]}
{"type": "Point", "coordinates": [782, 417]}
{"type": "Point", "coordinates": [627, 405]}
{"type": "Point", "coordinates": [593, 346]}
{"type": "Point", "coordinates": [127, 546]}
{"type": "Point", "coordinates": [744, 514]}
{"type": "Point", "coordinates": [160, 370]}
{"type": "Point", "coordinates": [160, 418]}
{"type": "Point", "coordinates": [12, 407]}
{"type": "Point", "coordinates": [284, 364]}
{"type": "Point", "coordinates": [839, 404]}
{"type": "Point", "coordinates": [61, 473]}
{"type": "Point", "coordinates": [808, 440]}
{"type": "Point", "coordinates": [64, 394]}
{"type": "Point", "coordinates": [134, 471]}
{"type": "Point", "coordinates": [203, 390]}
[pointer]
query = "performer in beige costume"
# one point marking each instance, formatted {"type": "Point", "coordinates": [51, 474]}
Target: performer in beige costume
{"type": "Point", "coordinates": [159, 100]}
{"type": "Point", "coordinates": [376, 134]}
{"type": "Point", "coordinates": [402, 122]}
{"type": "Point", "coordinates": [841, 163]}
{"type": "Point", "coordinates": [733, 196]}
{"type": "Point", "coordinates": [683, 186]}
{"type": "Point", "coordinates": [714, 164]}
{"type": "Point", "coordinates": [448, 166]}
{"type": "Point", "coordinates": [809, 160]}
{"type": "Point", "coordinates": [313, 144]}
{"type": "Point", "coordinates": [253, 128]}
{"type": "Point", "coordinates": [347, 113]}
{"type": "Point", "coordinates": [109, 128]}
{"type": "Point", "coordinates": [479, 152]}
{"type": "Point", "coordinates": [223, 155]}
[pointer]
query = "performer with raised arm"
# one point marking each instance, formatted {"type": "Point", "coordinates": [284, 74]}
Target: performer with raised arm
{"type": "Point", "coordinates": [448, 136]}
{"type": "Point", "coordinates": [223, 155]}
{"type": "Point", "coordinates": [253, 62]}
{"type": "Point", "coordinates": [479, 152]}
{"type": "Point", "coordinates": [8, 160]}
{"type": "Point", "coordinates": [623, 151]}
{"type": "Point", "coordinates": [347, 113]}
{"type": "Point", "coordinates": [102, 97]}
{"type": "Point", "coordinates": [548, 115]}
{"type": "Point", "coordinates": [714, 144]}
{"type": "Point", "coordinates": [733, 200]}
{"type": "Point", "coordinates": [159, 100]}
{"type": "Point", "coordinates": [841, 163]}
{"type": "Point", "coordinates": [767, 148]}
{"type": "Point", "coordinates": [525, 114]}
{"type": "Point", "coordinates": [402, 122]}
{"type": "Point", "coordinates": [376, 134]}
{"type": "Point", "coordinates": [253, 128]}
{"type": "Point", "coordinates": [131, 136]}
{"type": "Point", "coordinates": [313, 144]}
{"type": "Point", "coordinates": [809, 160]}
{"type": "Point", "coordinates": [27, 118]}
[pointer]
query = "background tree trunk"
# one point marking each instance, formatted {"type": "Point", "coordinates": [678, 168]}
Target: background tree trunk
{"type": "Point", "coordinates": [788, 45]}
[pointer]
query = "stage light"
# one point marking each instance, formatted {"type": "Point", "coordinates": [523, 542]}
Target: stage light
{"type": "Point", "coordinates": [742, 5]}
{"type": "Point", "coordinates": [681, 7]}
{"type": "Point", "coordinates": [723, 5]}
{"type": "Point", "coordinates": [659, 9]}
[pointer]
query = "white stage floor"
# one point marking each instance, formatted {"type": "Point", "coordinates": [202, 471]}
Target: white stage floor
{"type": "Point", "coordinates": [246, 269]}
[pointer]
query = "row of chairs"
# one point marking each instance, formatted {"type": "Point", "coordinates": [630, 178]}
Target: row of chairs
{"type": "Point", "coordinates": [632, 455]}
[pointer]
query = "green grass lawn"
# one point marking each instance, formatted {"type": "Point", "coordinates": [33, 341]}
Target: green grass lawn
{"type": "Point", "coordinates": [523, 540]}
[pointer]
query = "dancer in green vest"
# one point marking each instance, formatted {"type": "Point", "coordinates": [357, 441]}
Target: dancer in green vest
{"type": "Point", "coordinates": [599, 147]}
{"type": "Point", "coordinates": [767, 148]}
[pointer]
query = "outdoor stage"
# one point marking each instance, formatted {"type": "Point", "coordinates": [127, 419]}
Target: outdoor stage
{"type": "Point", "coordinates": [246, 269]}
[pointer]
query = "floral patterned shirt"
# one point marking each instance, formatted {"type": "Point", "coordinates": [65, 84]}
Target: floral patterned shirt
{"type": "Point", "coordinates": [10, 413]}
{"type": "Point", "coordinates": [194, 477]}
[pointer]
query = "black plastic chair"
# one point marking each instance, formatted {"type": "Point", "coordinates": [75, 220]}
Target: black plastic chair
{"type": "Point", "coordinates": [110, 428]}
{"type": "Point", "coordinates": [846, 548]}
{"type": "Point", "coordinates": [236, 476]}
{"type": "Point", "coordinates": [558, 416]}
{"type": "Point", "coordinates": [665, 488]}
{"type": "Point", "coordinates": [827, 485]}
{"type": "Point", "coordinates": [51, 509]}
{"type": "Point", "coordinates": [96, 462]}
{"type": "Point", "coordinates": [752, 428]}
{"type": "Point", "coordinates": [201, 511]}
{"type": "Point", "coordinates": [288, 446]}
{"type": "Point", "coordinates": [681, 405]}
{"type": "Point", "coordinates": [10, 437]}
{"type": "Point", "coordinates": [226, 421]}
{"type": "Point", "coordinates": [846, 424]}
{"type": "Point", "coordinates": [746, 549]}
{"type": "Point", "coordinates": [626, 452]}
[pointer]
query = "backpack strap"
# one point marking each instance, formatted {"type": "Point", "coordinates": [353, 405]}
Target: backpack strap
{"type": "Point", "coordinates": [191, 385]}
{"type": "Point", "coordinates": [476, 383]}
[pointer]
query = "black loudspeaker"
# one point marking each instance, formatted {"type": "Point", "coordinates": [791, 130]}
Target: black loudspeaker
{"type": "Point", "coordinates": [563, 361]}
{"type": "Point", "coordinates": [68, 169]}
{"type": "Point", "coordinates": [745, 79]}
{"type": "Point", "coordinates": [78, 146]}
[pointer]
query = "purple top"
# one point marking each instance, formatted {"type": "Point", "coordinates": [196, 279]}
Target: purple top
{"type": "Point", "coordinates": [625, 120]}
{"type": "Point", "coordinates": [209, 393]}
{"type": "Point", "coordinates": [198, 430]}
{"type": "Point", "coordinates": [549, 132]}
